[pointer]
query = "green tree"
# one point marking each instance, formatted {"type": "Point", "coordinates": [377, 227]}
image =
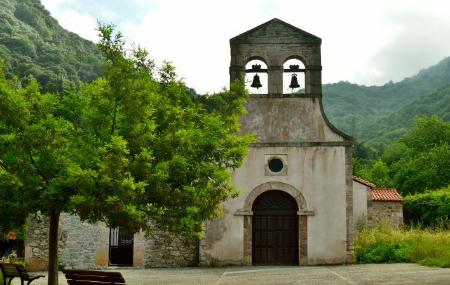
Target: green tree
{"type": "Point", "coordinates": [135, 139]}
{"type": "Point", "coordinates": [37, 151]}
{"type": "Point", "coordinates": [376, 172]}
{"type": "Point", "coordinates": [421, 159]}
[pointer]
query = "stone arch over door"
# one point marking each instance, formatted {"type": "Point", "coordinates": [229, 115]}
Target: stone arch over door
{"type": "Point", "coordinates": [303, 213]}
{"type": "Point", "coordinates": [291, 190]}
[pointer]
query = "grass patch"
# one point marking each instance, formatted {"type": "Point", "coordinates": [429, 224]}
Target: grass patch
{"type": "Point", "coordinates": [387, 244]}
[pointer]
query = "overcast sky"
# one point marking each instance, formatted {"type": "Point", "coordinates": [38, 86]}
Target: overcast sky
{"type": "Point", "coordinates": [364, 42]}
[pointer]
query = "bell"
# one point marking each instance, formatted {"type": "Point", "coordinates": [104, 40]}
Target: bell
{"type": "Point", "coordinates": [256, 83]}
{"type": "Point", "coordinates": [294, 82]}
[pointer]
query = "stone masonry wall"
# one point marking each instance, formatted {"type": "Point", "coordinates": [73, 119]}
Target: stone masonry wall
{"type": "Point", "coordinates": [84, 245]}
{"type": "Point", "coordinates": [391, 212]}
{"type": "Point", "coordinates": [36, 243]}
{"type": "Point", "coordinates": [79, 243]}
{"type": "Point", "coordinates": [164, 249]}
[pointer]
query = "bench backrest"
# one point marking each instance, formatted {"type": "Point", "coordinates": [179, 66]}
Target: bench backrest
{"type": "Point", "coordinates": [10, 269]}
{"type": "Point", "coordinates": [82, 277]}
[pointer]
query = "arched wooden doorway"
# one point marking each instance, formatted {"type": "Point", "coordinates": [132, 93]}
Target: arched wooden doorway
{"type": "Point", "coordinates": [275, 229]}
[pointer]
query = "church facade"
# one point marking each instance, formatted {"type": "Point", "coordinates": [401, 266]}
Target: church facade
{"type": "Point", "coordinates": [297, 204]}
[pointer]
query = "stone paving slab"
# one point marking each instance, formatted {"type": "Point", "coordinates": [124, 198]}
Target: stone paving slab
{"type": "Point", "coordinates": [389, 274]}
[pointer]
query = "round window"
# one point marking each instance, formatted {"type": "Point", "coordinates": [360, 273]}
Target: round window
{"type": "Point", "coordinates": [275, 165]}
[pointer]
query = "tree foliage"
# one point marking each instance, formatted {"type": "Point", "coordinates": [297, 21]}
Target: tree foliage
{"type": "Point", "coordinates": [32, 43]}
{"type": "Point", "coordinates": [133, 148]}
{"type": "Point", "coordinates": [419, 161]}
{"type": "Point", "coordinates": [376, 172]}
{"type": "Point", "coordinates": [431, 208]}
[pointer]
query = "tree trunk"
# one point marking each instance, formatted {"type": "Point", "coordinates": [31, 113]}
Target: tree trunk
{"type": "Point", "coordinates": [53, 248]}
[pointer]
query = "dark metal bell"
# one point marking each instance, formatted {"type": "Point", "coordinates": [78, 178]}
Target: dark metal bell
{"type": "Point", "coordinates": [294, 82]}
{"type": "Point", "coordinates": [256, 82]}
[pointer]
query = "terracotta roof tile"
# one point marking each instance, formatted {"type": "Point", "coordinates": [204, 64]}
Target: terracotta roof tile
{"type": "Point", "coordinates": [386, 194]}
{"type": "Point", "coordinates": [365, 182]}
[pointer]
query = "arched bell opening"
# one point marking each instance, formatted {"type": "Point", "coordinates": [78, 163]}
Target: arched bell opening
{"type": "Point", "coordinates": [293, 76]}
{"type": "Point", "coordinates": [275, 235]}
{"type": "Point", "coordinates": [256, 77]}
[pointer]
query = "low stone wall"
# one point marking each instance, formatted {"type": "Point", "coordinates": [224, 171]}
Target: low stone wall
{"type": "Point", "coordinates": [80, 245]}
{"type": "Point", "coordinates": [84, 245]}
{"type": "Point", "coordinates": [36, 243]}
{"type": "Point", "coordinates": [168, 250]}
{"type": "Point", "coordinates": [391, 212]}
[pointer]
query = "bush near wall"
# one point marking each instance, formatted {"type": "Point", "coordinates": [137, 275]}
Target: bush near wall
{"type": "Point", "coordinates": [428, 209]}
{"type": "Point", "coordinates": [387, 244]}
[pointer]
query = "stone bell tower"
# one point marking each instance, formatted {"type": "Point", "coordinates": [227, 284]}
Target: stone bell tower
{"type": "Point", "coordinates": [296, 196]}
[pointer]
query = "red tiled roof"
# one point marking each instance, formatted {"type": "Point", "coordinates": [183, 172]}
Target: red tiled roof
{"type": "Point", "coordinates": [386, 194]}
{"type": "Point", "coordinates": [365, 182]}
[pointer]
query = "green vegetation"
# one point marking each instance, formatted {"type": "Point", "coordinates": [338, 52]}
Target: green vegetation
{"type": "Point", "coordinates": [419, 161]}
{"type": "Point", "coordinates": [384, 244]}
{"type": "Point", "coordinates": [379, 115]}
{"type": "Point", "coordinates": [131, 147]}
{"type": "Point", "coordinates": [33, 44]}
{"type": "Point", "coordinates": [431, 209]}
{"type": "Point", "coordinates": [389, 129]}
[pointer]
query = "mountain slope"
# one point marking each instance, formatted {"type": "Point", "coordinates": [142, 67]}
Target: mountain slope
{"type": "Point", "coordinates": [355, 108]}
{"type": "Point", "coordinates": [391, 128]}
{"type": "Point", "coordinates": [33, 43]}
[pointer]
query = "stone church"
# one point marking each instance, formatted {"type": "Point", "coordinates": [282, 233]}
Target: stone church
{"type": "Point", "coordinates": [296, 200]}
{"type": "Point", "coordinates": [299, 201]}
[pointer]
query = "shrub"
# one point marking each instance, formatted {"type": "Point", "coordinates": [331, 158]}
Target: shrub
{"type": "Point", "coordinates": [385, 244]}
{"type": "Point", "coordinates": [430, 209]}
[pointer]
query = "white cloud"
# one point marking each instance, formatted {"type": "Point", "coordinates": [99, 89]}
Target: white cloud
{"type": "Point", "coordinates": [362, 41]}
{"type": "Point", "coordinates": [71, 19]}
{"type": "Point", "coordinates": [84, 25]}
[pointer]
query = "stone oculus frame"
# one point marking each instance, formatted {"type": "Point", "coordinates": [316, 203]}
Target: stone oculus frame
{"type": "Point", "coordinates": [284, 161]}
{"type": "Point", "coordinates": [294, 128]}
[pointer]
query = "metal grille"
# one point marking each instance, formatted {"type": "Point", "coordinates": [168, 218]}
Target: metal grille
{"type": "Point", "coordinates": [120, 237]}
{"type": "Point", "coordinates": [120, 247]}
{"type": "Point", "coordinates": [114, 237]}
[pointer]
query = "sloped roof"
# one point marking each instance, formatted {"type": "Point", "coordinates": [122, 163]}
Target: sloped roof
{"type": "Point", "coordinates": [275, 31]}
{"type": "Point", "coordinates": [364, 182]}
{"type": "Point", "coordinates": [386, 194]}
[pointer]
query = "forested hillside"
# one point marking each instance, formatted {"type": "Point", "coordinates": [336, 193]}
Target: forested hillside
{"type": "Point", "coordinates": [356, 109]}
{"type": "Point", "coordinates": [33, 43]}
{"type": "Point", "coordinates": [391, 128]}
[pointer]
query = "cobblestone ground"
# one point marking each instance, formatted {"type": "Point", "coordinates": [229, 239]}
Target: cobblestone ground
{"type": "Point", "coordinates": [352, 274]}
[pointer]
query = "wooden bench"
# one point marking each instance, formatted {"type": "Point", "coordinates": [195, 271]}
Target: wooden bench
{"type": "Point", "coordinates": [89, 277]}
{"type": "Point", "coordinates": [11, 271]}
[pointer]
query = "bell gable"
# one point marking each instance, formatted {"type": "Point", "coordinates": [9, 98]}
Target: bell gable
{"type": "Point", "coordinates": [276, 31]}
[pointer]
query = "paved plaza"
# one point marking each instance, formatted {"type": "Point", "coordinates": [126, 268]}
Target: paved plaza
{"type": "Point", "coordinates": [320, 275]}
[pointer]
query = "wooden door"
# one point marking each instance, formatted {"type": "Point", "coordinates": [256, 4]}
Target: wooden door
{"type": "Point", "coordinates": [275, 229]}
